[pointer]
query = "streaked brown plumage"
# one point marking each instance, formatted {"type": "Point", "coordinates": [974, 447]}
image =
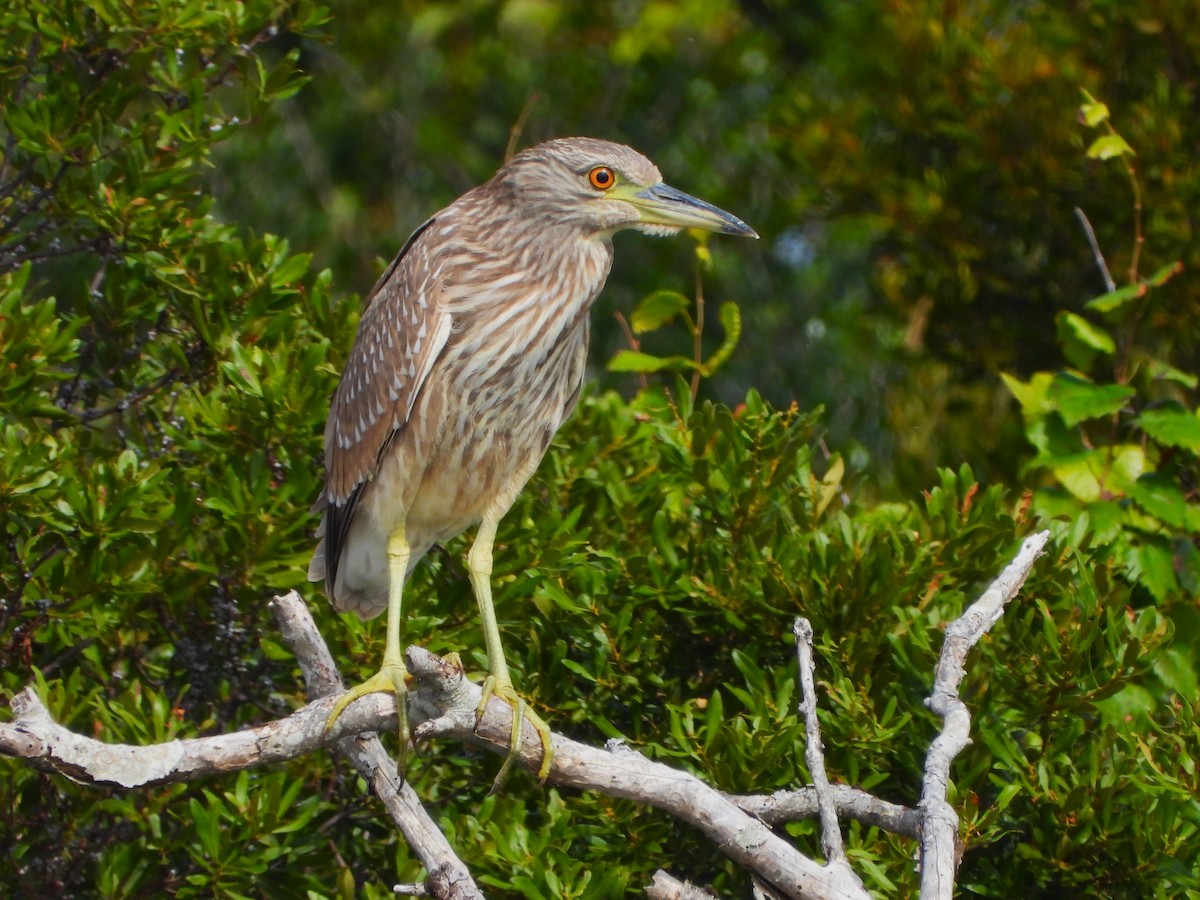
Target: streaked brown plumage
{"type": "Point", "coordinates": [469, 355]}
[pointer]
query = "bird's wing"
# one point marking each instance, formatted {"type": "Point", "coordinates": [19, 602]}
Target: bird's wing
{"type": "Point", "coordinates": [402, 331]}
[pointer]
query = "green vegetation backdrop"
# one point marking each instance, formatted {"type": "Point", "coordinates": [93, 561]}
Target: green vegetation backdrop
{"type": "Point", "coordinates": [194, 194]}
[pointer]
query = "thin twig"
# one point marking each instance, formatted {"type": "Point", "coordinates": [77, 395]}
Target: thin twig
{"type": "Point", "coordinates": [514, 133]}
{"type": "Point", "coordinates": [1109, 284]}
{"type": "Point", "coordinates": [814, 752]}
{"type": "Point", "coordinates": [634, 344]}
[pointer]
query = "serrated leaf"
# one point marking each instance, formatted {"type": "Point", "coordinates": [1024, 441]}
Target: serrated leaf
{"type": "Point", "coordinates": [1172, 424]}
{"type": "Point", "coordinates": [1108, 146]}
{"type": "Point", "coordinates": [1113, 300]}
{"type": "Point", "coordinates": [1104, 472]}
{"type": "Point", "coordinates": [1077, 398]}
{"type": "Point", "coordinates": [657, 310]}
{"type": "Point", "coordinates": [1160, 497]}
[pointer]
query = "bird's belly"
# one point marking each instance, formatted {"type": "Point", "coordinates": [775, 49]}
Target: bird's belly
{"type": "Point", "coordinates": [477, 473]}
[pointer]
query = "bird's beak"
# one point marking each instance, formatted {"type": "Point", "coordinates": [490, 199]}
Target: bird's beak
{"type": "Point", "coordinates": [661, 204]}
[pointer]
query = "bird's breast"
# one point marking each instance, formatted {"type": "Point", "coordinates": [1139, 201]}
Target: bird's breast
{"type": "Point", "coordinates": [506, 381]}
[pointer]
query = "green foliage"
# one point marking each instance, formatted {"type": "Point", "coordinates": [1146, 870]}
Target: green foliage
{"type": "Point", "coordinates": [662, 307]}
{"type": "Point", "coordinates": [912, 168]}
{"type": "Point", "coordinates": [1119, 438]}
{"type": "Point", "coordinates": [164, 377]}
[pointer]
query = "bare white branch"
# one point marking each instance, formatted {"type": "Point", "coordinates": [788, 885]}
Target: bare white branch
{"type": "Point", "coordinates": [1097, 254]}
{"type": "Point", "coordinates": [449, 878]}
{"type": "Point", "coordinates": [940, 842]}
{"type": "Point", "coordinates": [443, 705]}
{"type": "Point", "coordinates": [851, 803]}
{"type": "Point", "coordinates": [814, 758]}
{"type": "Point", "coordinates": [814, 750]}
{"type": "Point", "coordinates": [442, 691]}
{"type": "Point", "coordinates": [667, 887]}
{"type": "Point", "coordinates": [620, 771]}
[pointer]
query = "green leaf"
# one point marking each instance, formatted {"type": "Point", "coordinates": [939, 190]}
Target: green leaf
{"type": "Point", "coordinates": [1109, 145]}
{"type": "Point", "coordinates": [1101, 473]}
{"type": "Point", "coordinates": [656, 310]}
{"type": "Point", "coordinates": [1172, 424]}
{"type": "Point", "coordinates": [1161, 497]}
{"type": "Point", "coordinates": [1177, 669]}
{"type": "Point", "coordinates": [1081, 340]}
{"type": "Point", "coordinates": [714, 720]}
{"type": "Point", "coordinates": [731, 321]}
{"type": "Point", "coordinates": [293, 269]}
{"type": "Point", "coordinates": [1032, 394]}
{"type": "Point", "coordinates": [636, 361]}
{"type": "Point", "coordinates": [1086, 333]}
{"type": "Point", "coordinates": [1165, 274]}
{"type": "Point", "coordinates": [1114, 300]}
{"type": "Point", "coordinates": [1092, 112]}
{"type": "Point", "coordinates": [1077, 398]}
{"type": "Point", "coordinates": [1161, 371]}
{"type": "Point", "coordinates": [1154, 566]}
{"type": "Point", "coordinates": [829, 486]}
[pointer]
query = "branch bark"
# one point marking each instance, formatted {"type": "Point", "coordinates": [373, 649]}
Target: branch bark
{"type": "Point", "coordinates": [449, 878]}
{"type": "Point", "coordinates": [941, 847]}
{"type": "Point", "coordinates": [814, 754]}
{"type": "Point", "coordinates": [443, 705]}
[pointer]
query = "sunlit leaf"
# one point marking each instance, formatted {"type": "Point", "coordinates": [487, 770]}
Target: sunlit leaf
{"type": "Point", "coordinates": [1109, 145]}
{"type": "Point", "coordinates": [1161, 497]}
{"type": "Point", "coordinates": [1114, 300]}
{"type": "Point", "coordinates": [1172, 424]}
{"type": "Point", "coordinates": [1086, 333]}
{"type": "Point", "coordinates": [656, 310]}
{"type": "Point", "coordinates": [1077, 398]}
{"type": "Point", "coordinates": [636, 361]}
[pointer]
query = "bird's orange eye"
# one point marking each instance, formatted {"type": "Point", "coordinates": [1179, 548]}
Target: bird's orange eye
{"type": "Point", "coordinates": [602, 178]}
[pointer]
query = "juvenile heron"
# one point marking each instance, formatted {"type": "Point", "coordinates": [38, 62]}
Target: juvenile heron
{"type": "Point", "coordinates": [469, 355]}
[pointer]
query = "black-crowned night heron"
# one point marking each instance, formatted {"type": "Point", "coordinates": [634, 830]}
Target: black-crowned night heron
{"type": "Point", "coordinates": [469, 355]}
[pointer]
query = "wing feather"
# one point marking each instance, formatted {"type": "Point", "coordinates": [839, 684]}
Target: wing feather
{"type": "Point", "coordinates": [400, 336]}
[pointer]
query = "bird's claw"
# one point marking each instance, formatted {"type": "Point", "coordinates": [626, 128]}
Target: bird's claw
{"type": "Point", "coordinates": [493, 687]}
{"type": "Point", "coordinates": [390, 679]}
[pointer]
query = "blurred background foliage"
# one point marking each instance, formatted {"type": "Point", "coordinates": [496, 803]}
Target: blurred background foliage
{"type": "Point", "coordinates": [194, 195]}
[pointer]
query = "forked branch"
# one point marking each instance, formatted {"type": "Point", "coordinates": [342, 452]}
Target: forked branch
{"type": "Point", "coordinates": [444, 702]}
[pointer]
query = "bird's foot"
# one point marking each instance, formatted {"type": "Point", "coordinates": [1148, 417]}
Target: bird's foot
{"type": "Point", "coordinates": [390, 679]}
{"type": "Point", "coordinates": [492, 687]}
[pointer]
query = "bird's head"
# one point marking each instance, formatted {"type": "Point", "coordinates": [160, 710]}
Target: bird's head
{"type": "Point", "coordinates": [602, 187]}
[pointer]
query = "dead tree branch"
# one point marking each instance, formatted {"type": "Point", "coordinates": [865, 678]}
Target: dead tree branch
{"type": "Point", "coordinates": [443, 705]}
{"type": "Point", "coordinates": [941, 846]}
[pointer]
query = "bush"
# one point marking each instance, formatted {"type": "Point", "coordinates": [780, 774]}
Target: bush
{"type": "Point", "coordinates": [162, 397]}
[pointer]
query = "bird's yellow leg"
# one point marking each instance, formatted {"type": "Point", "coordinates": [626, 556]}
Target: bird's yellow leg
{"type": "Point", "coordinates": [499, 683]}
{"type": "Point", "coordinates": [391, 675]}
